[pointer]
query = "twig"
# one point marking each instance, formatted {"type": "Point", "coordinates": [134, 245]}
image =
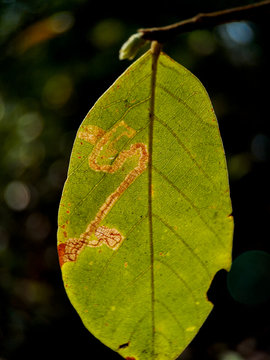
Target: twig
{"type": "Point", "coordinates": [201, 21]}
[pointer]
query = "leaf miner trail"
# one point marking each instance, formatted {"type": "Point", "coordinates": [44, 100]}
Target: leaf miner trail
{"type": "Point", "coordinates": [99, 160]}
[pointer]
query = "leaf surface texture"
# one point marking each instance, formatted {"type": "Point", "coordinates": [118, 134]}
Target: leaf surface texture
{"type": "Point", "coordinates": [137, 259]}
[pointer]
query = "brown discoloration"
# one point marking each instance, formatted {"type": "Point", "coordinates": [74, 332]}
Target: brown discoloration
{"type": "Point", "coordinates": [105, 150]}
{"type": "Point", "coordinates": [91, 134]}
{"type": "Point", "coordinates": [72, 249]}
{"type": "Point", "coordinates": [130, 358]}
{"type": "Point", "coordinates": [111, 237]}
{"type": "Point", "coordinates": [61, 253]}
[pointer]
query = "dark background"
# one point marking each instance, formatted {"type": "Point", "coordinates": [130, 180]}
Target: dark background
{"type": "Point", "coordinates": [56, 59]}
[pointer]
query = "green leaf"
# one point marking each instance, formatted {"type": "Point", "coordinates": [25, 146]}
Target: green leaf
{"type": "Point", "coordinates": [144, 220]}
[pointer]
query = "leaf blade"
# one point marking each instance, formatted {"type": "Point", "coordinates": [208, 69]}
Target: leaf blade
{"type": "Point", "coordinates": [127, 296]}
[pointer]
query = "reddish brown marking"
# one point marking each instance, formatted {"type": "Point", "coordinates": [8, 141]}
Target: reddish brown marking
{"type": "Point", "coordinates": [61, 253]}
{"type": "Point", "coordinates": [72, 248]}
{"type": "Point", "coordinates": [130, 358]}
{"type": "Point", "coordinates": [96, 235]}
{"type": "Point", "coordinates": [111, 237]}
{"type": "Point", "coordinates": [91, 134]}
{"type": "Point", "coordinates": [65, 233]}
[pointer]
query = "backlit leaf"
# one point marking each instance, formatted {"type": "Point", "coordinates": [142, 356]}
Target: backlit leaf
{"type": "Point", "coordinates": [137, 258]}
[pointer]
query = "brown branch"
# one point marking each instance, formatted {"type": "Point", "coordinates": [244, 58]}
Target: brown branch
{"type": "Point", "coordinates": [257, 11]}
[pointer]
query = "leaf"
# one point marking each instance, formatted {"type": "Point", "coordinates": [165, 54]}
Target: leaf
{"type": "Point", "coordinates": [144, 220]}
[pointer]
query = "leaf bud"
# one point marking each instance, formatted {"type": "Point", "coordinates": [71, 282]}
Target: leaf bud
{"type": "Point", "coordinates": [130, 48]}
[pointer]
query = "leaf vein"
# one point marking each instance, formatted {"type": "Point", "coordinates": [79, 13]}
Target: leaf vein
{"type": "Point", "coordinates": [186, 105]}
{"type": "Point", "coordinates": [192, 204]}
{"type": "Point", "coordinates": [187, 151]}
{"type": "Point", "coordinates": [183, 281]}
{"type": "Point", "coordinates": [183, 242]}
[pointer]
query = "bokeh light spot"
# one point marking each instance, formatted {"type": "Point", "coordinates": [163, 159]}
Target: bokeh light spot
{"type": "Point", "coordinates": [57, 91]}
{"type": "Point", "coordinates": [240, 32]}
{"type": "Point", "coordinates": [260, 147]}
{"type": "Point", "coordinates": [61, 22]}
{"type": "Point", "coordinates": [10, 20]}
{"type": "Point", "coordinates": [202, 42]}
{"type": "Point", "coordinates": [239, 165]}
{"type": "Point", "coordinates": [38, 226]}
{"type": "Point", "coordinates": [17, 195]}
{"type": "Point", "coordinates": [235, 34]}
{"type": "Point", "coordinates": [32, 153]}
{"type": "Point", "coordinates": [230, 355]}
{"type": "Point", "coordinates": [43, 30]}
{"type": "Point", "coordinates": [30, 126]}
{"type": "Point", "coordinates": [249, 278]}
{"type": "Point", "coordinates": [107, 33]}
{"type": "Point", "coordinates": [31, 291]}
{"type": "Point", "coordinates": [246, 347]}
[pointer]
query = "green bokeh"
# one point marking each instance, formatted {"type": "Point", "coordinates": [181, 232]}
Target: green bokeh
{"type": "Point", "coordinates": [249, 278]}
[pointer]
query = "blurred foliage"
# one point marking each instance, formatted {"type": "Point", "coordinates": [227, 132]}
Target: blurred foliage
{"type": "Point", "coordinates": [56, 58]}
